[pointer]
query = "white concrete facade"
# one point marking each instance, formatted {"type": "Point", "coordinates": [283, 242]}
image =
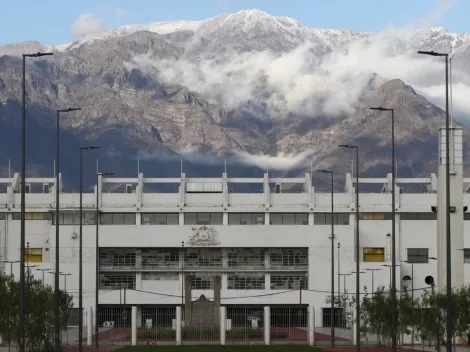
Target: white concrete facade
{"type": "Point", "coordinates": [160, 283]}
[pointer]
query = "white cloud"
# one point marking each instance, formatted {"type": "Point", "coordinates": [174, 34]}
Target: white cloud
{"type": "Point", "coordinates": [120, 12]}
{"type": "Point", "coordinates": [87, 25]}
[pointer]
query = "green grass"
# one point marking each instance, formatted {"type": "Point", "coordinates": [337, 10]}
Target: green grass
{"type": "Point", "coordinates": [218, 348]}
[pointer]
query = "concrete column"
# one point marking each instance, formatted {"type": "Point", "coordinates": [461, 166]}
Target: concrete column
{"type": "Point", "coordinates": [223, 324]}
{"type": "Point", "coordinates": [178, 325]}
{"type": "Point", "coordinates": [267, 325]}
{"type": "Point", "coordinates": [89, 327]}
{"type": "Point", "coordinates": [353, 327]}
{"type": "Point", "coordinates": [134, 325]}
{"type": "Point", "coordinates": [456, 200]}
{"type": "Point", "coordinates": [311, 325]}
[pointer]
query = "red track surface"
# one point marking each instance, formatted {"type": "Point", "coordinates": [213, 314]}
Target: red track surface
{"type": "Point", "coordinates": [366, 348]}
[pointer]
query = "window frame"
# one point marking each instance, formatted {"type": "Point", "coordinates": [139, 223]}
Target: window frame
{"type": "Point", "coordinates": [212, 216]}
{"type": "Point", "coordinates": [379, 216]}
{"type": "Point", "coordinates": [30, 216]}
{"type": "Point", "coordinates": [296, 221]}
{"type": "Point", "coordinates": [116, 216]}
{"type": "Point", "coordinates": [153, 217]}
{"type": "Point", "coordinates": [380, 256]}
{"type": "Point", "coordinates": [417, 255]}
{"type": "Point", "coordinates": [253, 218]}
{"type": "Point", "coordinates": [325, 218]}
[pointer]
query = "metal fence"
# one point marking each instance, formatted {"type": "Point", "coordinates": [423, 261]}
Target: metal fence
{"type": "Point", "coordinates": [342, 327]}
{"type": "Point", "coordinates": [244, 325]}
{"type": "Point", "coordinates": [156, 326]}
{"type": "Point", "coordinates": [289, 325]}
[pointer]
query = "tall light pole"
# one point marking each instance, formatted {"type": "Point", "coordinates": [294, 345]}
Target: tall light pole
{"type": "Point", "coordinates": [339, 271]}
{"type": "Point", "coordinates": [394, 258]}
{"type": "Point", "coordinates": [449, 315]}
{"type": "Point", "coordinates": [57, 221]}
{"type": "Point", "coordinates": [97, 253]}
{"type": "Point", "coordinates": [11, 262]}
{"type": "Point", "coordinates": [21, 320]}
{"type": "Point", "coordinates": [372, 272]}
{"type": "Point", "coordinates": [42, 270]}
{"type": "Point", "coordinates": [332, 256]}
{"type": "Point", "coordinates": [358, 297]}
{"type": "Point", "coordinates": [390, 270]}
{"type": "Point", "coordinates": [344, 281]}
{"type": "Point", "coordinates": [80, 255]}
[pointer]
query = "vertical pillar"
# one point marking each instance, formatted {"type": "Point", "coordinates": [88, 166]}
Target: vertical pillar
{"type": "Point", "coordinates": [89, 326]}
{"type": "Point", "coordinates": [267, 325]}
{"type": "Point", "coordinates": [354, 327]}
{"type": "Point", "coordinates": [134, 325]}
{"type": "Point", "coordinates": [223, 324]}
{"type": "Point", "coordinates": [178, 325]}
{"type": "Point", "coordinates": [311, 325]}
{"type": "Point", "coordinates": [456, 200]}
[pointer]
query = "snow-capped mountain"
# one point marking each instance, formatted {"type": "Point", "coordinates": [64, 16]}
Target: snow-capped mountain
{"type": "Point", "coordinates": [245, 84]}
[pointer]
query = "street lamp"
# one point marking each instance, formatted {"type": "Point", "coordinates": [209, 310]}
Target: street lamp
{"type": "Point", "coordinates": [80, 254]}
{"type": "Point", "coordinates": [43, 270]}
{"type": "Point", "coordinates": [11, 262]}
{"type": "Point", "coordinates": [358, 303]}
{"type": "Point", "coordinates": [339, 271]}
{"type": "Point", "coordinates": [97, 253]}
{"type": "Point", "coordinates": [448, 248]}
{"type": "Point", "coordinates": [372, 272]}
{"type": "Point", "coordinates": [394, 273]}
{"type": "Point", "coordinates": [390, 269]}
{"type": "Point", "coordinates": [332, 257]}
{"type": "Point", "coordinates": [57, 221]}
{"type": "Point", "coordinates": [21, 321]}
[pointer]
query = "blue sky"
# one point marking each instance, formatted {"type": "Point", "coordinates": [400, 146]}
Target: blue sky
{"type": "Point", "coordinates": [50, 21]}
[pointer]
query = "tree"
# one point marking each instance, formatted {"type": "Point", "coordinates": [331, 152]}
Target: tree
{"type": "Point", "coordinates": [39, 307]}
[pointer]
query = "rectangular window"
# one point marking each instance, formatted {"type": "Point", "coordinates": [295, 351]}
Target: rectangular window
{"type": "Point", "coordinates": [3, 216]}
{"type": "Point", "coordinates": [466, 216]}
{"type": "Point", "coordinates": [288, 219]}
{"type": "Point", "coordinates": [151, 276]}
{"type": "Point", "coordinates": [288, 258]}
{"type": "Point", "coordinates": [203, 219]}
{"type": "Point", "coordinates": [33, 255]}
{"type": "Point", "coordinates": [374, 255]}
{"type": "Point", "coordinates": [246, 218]}
{"type": "Point", "coordinates": [160, 258]}
{"type": "Point", "coordinates": [208, 258]}
{"type": "Point", "coordinates": [114, 281]}
{"type": "Point", "coordinates": [245, 281]}
{"type": "Point", "coordinates": [117, 259]}
{"type": "Point", "coordinates": [418, 216]}
{"type": "Point", "coordinates": [32, 216]}
{"type": "Point", "coordinates": [466, 255]}
{"type": "Point", "coordinates": [117, 219]}
{"type": "Point", "coordinates": [246, 258]}
{"type": "Point", "coordinates": [73, 218]}
{"type": "Point", "coordinates": [375, 216]}
{"type": "Point", "coordinates": [202, 281]}
{"type": "Point", "coordinates": [418, 255]}
{"type": "Point", "coordinates": [289, 281]}
{"type": "Point", "coordinates": [325, 218]}
{"type": "Point", "coordinates": [160, 219]}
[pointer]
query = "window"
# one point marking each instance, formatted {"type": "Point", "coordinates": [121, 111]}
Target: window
{"type": "Point", "coordinates": [325, 218]}
{"type": "Point", "coordinates": [117, 219]}
{"type": "Point", "coordinates": [375, 216]}
{"type": "Point", "coordinates": [32, 216]}
{"type": "Point", "coordinates": [203, 219]}
{"type": "Point", "coordinates": [466, 255]}
{"type": "Point", "coordinates": [160, 276]}
{"type": "Point", "coordinates": [288, 258]}
{"type": "Point", "coordinates": [288, 219]}
{"type": "Point", "coordinates": [374, 255]}
{"type": "Point", "coordinates": [160, 219]}
{"type": "Point", "coordinates": [418, 255]}
{"type": "Point", "coordinates": [289, 281]}
{"type": "Point", "coordinates": [114, 281]}
{"type": "Point", "coordinates": [73, 218]}
{"type": "Point", "coordinates": [203, 258]}
{"type": "Point", "coordinates": [466, 216]}
{"type": "Point", "coordinates": [3, 216]}
{"type": "Point", "coordinates": [246, 219]}
{"type": "Point", "coordinates": [246, 258]}
{"type": "Point", "coordinates": [202, 281]}
{"type": "Point", "coordinates": [245, 281]}
{"type": "Point", "coordinates": [117, 258]}
{"type": "Point", "coordinates": [33, 255]}
{"type": "Point", "coordinates": [160, 258]}
{"type": "Point", "coordinates": [418, 216]}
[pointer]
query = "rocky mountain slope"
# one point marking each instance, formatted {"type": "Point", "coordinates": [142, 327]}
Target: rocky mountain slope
{"type": "Point", "coordinates": [244, 85]}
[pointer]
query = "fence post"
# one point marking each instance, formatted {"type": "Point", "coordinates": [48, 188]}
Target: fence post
{"type": "Point", "coordinates": [134, 325]}
{"type": "Point", "coordinates": [178, 325]}
{"type": "Point", "coordinates": [223, 324]}
{"type": "Point", "coordinates": [311, 325]}
{"type": "Point", "coordinates": [89, 326]}
{"type": "Point", "coordinates": [267, 325]}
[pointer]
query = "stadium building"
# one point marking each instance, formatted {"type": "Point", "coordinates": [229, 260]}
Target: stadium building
{"type": "Point", "coordinates": [241, 249]}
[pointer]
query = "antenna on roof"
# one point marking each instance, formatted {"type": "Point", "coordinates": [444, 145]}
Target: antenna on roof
{"type": "Point", "coordinates": [267, 165]}
{"type": "Point", "coordinates": [97, 166]}
{"type": "Point", "coordinates": [225, 165]}
{"type": "Point", "coordinates": [181, 171]}
{"type": "Point", "coordinates": [138, 166]}
{"type": "Point", "coordinates": [9, 171]}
